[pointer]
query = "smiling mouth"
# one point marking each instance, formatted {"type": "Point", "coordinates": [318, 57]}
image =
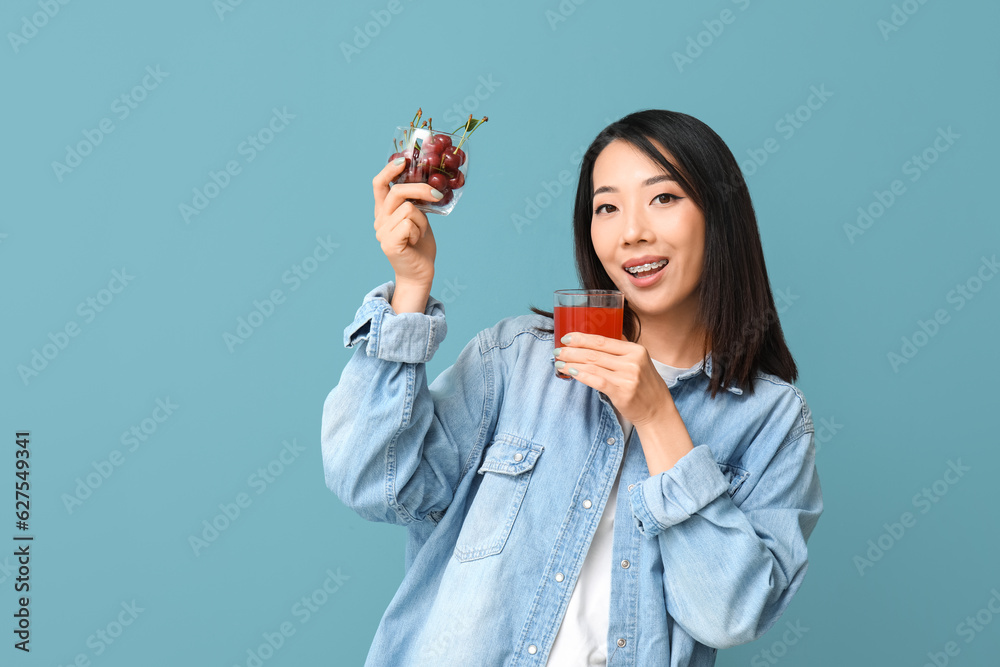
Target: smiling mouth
{"type": "Point", "coordinates": [646, 270]}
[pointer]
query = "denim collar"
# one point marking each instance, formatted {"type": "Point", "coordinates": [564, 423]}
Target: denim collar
{"type": "Point", "coordinates": [706, 366]}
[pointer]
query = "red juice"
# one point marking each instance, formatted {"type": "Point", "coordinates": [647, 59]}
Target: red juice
{"type": "Point", "coordinates": [588, 319]}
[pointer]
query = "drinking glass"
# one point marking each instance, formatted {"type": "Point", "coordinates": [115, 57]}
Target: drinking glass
{"type": "Point", "coordinates": [596, 311]}
{"type": "Point", "coordinates": [433, 158]}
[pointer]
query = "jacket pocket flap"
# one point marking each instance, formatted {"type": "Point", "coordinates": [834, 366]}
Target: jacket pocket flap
{"type": "Point", "coordinates": [510, 455]}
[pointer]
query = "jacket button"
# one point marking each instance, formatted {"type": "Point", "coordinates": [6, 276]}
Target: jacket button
{"type": "Point", "coordinates": [518, 456]}
{"type": "Point", "coordinates": [559, 576]}
{"type": "Point", "coordinates": [587, 504]}
{"type": "Point", "coordinates": [534, 649]}
{"type": "Point", "coordinates": [625, 563]}
{"type": "Point", "coordinates": [611, 441]}
{"type": "Point", "coordinates": [621, 642]}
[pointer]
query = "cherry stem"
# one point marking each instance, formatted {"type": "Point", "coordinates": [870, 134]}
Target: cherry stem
{"type": "Point", "coordinates": [464, 137]}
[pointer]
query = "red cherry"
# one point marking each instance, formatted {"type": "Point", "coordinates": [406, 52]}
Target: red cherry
{"type": "Point", "coordinates": [451, 161]}
{"type": "Point", "coordinates": [457, 181]}
{"type": "Point", "coordinates": [461, 156]}
{"type": "Point", "coordinates": [429, 159]}
{"type": "Point", "coordinates": [438, 181]}
{"type": "Point", "coordinates": [443, 140]}
{"type": "Point", "coordinates": [448, 196]}
{"type": "Point", "coordinates": [400, 155]}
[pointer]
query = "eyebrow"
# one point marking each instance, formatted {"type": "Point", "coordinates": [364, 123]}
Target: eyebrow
{"type": "Point", "coordinates": [653, 180]}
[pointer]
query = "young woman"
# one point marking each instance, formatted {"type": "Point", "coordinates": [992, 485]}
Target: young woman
{"type": "Point", "coordinates": [651, 510]}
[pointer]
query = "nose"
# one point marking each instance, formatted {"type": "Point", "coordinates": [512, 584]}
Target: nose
{"type": "Point", "coordinates": [637, 227]}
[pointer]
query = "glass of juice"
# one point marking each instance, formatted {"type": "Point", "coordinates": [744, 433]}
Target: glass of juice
{"type": "Point", "coordinates": [596, 311]}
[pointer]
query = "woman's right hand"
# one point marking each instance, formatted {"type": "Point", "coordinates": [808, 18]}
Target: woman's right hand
{"type": "Point", "coordinates": [402, 228]}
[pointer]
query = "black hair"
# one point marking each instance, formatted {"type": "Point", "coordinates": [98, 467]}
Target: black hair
{"type": "Point", "coordinates": [736, 306]}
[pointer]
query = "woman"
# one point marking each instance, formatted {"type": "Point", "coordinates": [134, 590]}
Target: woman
{"type": "Point", "coordinates": [649, 512]}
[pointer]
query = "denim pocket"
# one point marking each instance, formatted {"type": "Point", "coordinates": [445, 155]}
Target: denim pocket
{"type": "Point", "coordinates": [735, 476]}
{"type": "Point", "coordinates": [505, 471]}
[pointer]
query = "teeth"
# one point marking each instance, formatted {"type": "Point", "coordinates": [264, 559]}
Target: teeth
{"type": "Point", "coordinates": [646, 267]}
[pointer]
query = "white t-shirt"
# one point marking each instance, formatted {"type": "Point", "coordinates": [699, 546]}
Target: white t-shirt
{"type": "Point", "coordinates": [582, 640]}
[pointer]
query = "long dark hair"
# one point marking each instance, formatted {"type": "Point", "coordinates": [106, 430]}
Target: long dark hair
{"type": "Point", "coordinates": [736, 306]}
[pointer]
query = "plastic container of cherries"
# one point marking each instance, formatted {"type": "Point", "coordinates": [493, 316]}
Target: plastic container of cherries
{"type": "Point", "coordinates": [440, 159]}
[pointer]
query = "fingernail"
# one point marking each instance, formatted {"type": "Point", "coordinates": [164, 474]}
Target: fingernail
{"type": "Point", "coordinates": [436, 194]}
{"type": "Point", "coordinates": [560, 364]}
{"type": "Point", "coordinates": [565, 340]}
{"type": "Point", "coordinates": [399, 160]}
{"type": "Point", "coordinates": [572, 371]}
{"type": "Point", "coordinates": [557, 351]}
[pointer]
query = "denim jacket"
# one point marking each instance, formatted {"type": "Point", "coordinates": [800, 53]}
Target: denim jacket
{"type": "Point", "coordinates": [500, 472]}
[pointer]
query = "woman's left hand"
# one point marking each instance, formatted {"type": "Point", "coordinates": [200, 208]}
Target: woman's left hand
{"type": "Point", "coordinates": [621, 369]}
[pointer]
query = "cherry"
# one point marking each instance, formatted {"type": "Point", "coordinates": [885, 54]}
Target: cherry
{"type": "Point", "coordinates": [438, 181]}
{"type": "Point", "coordinates": [461, 155]}
{"type": "Point", "coordinates": [448, 196]}
{"type": "Point", "coordinates": [443, 140]}
{"type": "Point", "coordinates": [428, 160]}
{"type": "Point", "coordinates": [457, 181]}
{"type": "Point", "coordinates": [400, 155]}
{"type": "Point", "coordinates": [451, 161]}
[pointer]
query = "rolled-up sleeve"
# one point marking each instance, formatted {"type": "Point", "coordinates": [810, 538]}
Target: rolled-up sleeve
{"type": "Point", "coordinates": [395, 448]}
{"type": "Point", "coordinates": [729, 572]}
{"type": "Point", "coordinates": [667, 499]}
{"type": "Point", "coordinates": [403, 337]}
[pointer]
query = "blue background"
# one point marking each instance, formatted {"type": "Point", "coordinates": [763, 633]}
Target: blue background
{"type": "Point", "coordinates": [557, 74]}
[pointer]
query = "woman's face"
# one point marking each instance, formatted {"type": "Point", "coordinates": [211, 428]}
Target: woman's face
{"type": "Point", "coordinates": [640, 214]}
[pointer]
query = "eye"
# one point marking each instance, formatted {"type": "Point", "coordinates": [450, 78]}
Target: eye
{"type": "Point", "coordinates": [660, 197]}
{"type": "Point", "coordinates": [598, 209]}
